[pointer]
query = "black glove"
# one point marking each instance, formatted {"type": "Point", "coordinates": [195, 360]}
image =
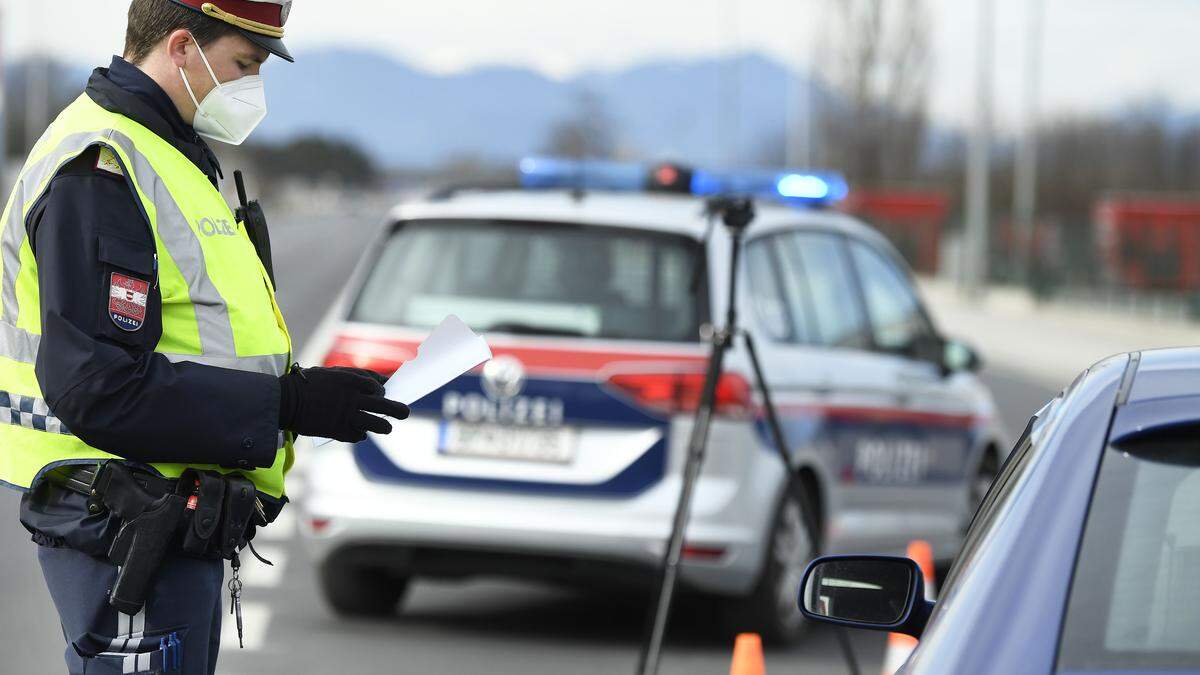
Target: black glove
{"type": "Point", "coordinates": [334, 402]}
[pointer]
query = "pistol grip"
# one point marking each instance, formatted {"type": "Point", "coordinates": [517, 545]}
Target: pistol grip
{"type": "Point", "coordinates": [138, 552]}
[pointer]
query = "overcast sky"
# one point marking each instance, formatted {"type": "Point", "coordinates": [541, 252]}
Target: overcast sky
{"type": "Point", "coordinates": [1099, 53]}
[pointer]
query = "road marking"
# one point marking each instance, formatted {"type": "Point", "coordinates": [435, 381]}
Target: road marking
{"type": "Point", "coordinates": [255, 573]}
{"type": "Point", "coordinates": [256, 619]}
{"type": "Point", "coordinates": [283, 529]}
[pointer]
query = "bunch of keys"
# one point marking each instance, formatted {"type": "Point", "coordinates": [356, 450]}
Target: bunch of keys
{"type": "Point", "coordinates": [235, 596]}
{"type": "Point", "coordinates": [260, 512]}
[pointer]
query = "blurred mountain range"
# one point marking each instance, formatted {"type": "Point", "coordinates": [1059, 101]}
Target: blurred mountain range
{"type": "Point", "coordinates": [406, 117]}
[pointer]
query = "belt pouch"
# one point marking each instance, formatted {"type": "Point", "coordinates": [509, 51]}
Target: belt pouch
{"type": "Point", "coordinates": [240, 494]}
{"type": "Point", "coordinates": [209, 493]}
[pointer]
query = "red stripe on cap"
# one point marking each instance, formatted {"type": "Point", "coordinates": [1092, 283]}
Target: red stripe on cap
{"type": "Point", "coordinates": [262, 12]}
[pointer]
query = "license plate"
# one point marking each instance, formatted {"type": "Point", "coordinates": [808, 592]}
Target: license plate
{"type": "Point", "coordinates": [552, 445]}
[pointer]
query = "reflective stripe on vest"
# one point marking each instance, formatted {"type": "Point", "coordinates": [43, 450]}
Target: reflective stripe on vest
{"type": "Point", "coordinates": [218, 303]}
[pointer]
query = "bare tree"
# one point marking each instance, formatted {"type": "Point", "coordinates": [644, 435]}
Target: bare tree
{"type": "Point", "coordinates": [877, 54]}
{"type": "Point", "coordinates": [587, 134]}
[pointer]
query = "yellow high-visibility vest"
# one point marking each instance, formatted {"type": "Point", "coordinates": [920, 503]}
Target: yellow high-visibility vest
{"type": "Point", "coordinates": [218, 303]}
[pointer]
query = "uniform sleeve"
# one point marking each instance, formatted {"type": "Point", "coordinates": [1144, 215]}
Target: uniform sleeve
{"type": "Point", "coordinates": [96, 364]}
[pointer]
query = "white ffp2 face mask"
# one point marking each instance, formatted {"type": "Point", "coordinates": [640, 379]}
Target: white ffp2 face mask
{"type": "Point", "coordinates": [231, 111]}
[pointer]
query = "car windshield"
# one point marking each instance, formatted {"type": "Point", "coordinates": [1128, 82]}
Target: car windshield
{"type": "Point", "coordinates": [537, 279]}
{"type": "Point", "coordinates": [1135, 599]}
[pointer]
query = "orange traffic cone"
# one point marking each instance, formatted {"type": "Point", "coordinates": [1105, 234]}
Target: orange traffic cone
{"type": "Point", "coordinates": [922, 552]}
{"type": "Point", "coordinates": [900, 646]}
{"type": "Point", "coordinates": [748, 656]}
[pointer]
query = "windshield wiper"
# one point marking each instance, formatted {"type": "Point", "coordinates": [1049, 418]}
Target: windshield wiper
{"type": "Point", "coordinates": [530, 329]}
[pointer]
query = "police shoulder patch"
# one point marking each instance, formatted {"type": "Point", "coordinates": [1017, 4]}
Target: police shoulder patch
{"type": "Point", "coordinates": [107, 161]}
{"type": "Point", "coordinates": [127, 298]}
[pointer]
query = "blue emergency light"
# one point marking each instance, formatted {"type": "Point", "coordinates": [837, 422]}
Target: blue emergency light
{"type": "Point", "coordinates": [547, 173]}
{"type": "Point", "coordinates": [800, 188]}
{"type": "Point", "coordinates": [793, 187]}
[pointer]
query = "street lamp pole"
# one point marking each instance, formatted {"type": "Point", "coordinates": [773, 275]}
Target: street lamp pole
{"type": "Point", "coordinates": [975, 261]}
{"type": "Point", "coordinates": [796, 95]}
{"type": "Point", "coordinates": [1025, 180]}
{"type": "Point", "coordinates": [801, 105]}
{"type": "Point", "coordinates": [731, 96]}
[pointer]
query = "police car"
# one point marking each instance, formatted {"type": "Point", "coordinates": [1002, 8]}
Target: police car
{"type": "Point", "coordinates": [561, 459]}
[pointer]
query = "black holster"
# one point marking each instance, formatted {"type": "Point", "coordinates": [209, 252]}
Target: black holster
{"type": "Point", "coordinates": [148, 528]}
{"type": "Point", "coordinates": [208, 514]}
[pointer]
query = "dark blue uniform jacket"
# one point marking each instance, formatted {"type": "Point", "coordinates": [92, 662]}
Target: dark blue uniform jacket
{"type": "Point", "coordinates": [105, 382]}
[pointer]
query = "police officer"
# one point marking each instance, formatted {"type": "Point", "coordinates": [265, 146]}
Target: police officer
{"type": "Point", "coordinates": [147, 407]}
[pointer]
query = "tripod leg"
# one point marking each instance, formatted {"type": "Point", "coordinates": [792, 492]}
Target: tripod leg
{"type": "Point", "coordinates": [843, 635]}
{"type": "Point", "coordinates": [651, 654]}
{"type": "Point", "coordinates": [780, 441]}
{"type": "Point", "coordinates": [793, 483]}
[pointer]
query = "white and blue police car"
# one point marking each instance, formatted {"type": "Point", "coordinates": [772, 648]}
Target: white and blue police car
{"type": "Point", "coordinates": [560, 460]}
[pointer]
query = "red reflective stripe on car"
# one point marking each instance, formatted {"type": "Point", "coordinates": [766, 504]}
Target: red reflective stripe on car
{"type": "Point", "coordinates": [364, 351]}
{"type": "Point", "coordinates": [536, 360]}
{"type": "Point", "coordinates": [885, 415]}
{"type": "Point", "coordinates": [587, 361]}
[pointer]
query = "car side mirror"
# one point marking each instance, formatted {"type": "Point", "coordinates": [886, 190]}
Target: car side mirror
{"type": "Point", "coordinates": [960, 357]}
{"type": "Point", "coordinates": [930, 348]}
{"type": "Point", "coordinates": [882, 593]}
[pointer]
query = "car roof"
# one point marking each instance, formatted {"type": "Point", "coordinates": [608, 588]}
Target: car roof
{"type": "Point", "coordinates": [666, 213]}
{"type": "Point", "coordinates": [1166, 373]}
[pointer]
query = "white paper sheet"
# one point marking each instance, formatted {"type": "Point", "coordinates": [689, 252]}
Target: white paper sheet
{"type": "Point", "coordinates": [451, 350]}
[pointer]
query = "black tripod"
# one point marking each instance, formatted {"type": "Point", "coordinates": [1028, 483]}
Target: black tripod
{"type": "Point", "coordinates": [736, 213]}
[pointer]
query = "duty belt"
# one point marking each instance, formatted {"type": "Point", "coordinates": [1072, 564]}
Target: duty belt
{"type": "Point", "coordinates": [84, 479]}
{"type": "Point", "coordinates": [204, 514]}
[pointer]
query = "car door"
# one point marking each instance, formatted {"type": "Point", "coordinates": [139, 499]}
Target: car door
{"type": "Point", "coordinates": [797, 369]}
{"type": "Point", "coordinates": [929, 450]}
{"type": "Point", "coordinates": [901, 329]}
{"type": "Point", "coordinates": [835, 392]}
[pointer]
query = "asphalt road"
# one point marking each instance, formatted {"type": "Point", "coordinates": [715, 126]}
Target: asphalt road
{"type": "Point", "coordinates": [478, 627]}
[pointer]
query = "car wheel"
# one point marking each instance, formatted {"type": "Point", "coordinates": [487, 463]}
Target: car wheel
{"type": "Point", "coordinates": [358, 590]}
{"type": "Point", "coordinates": [770, 610]}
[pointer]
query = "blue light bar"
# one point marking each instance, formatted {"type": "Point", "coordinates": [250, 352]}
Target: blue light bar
{"type": "Point", "coordinates": [794, 187]}
{"type": "Point", "coordinates": [546, 173]}
{"type": "Point", "coordinates": [799, 188]}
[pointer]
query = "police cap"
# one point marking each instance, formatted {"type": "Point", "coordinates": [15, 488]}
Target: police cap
{"type": "Point", "coordinates": [260, 21]}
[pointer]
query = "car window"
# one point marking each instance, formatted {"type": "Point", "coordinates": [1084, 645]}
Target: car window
{"type": "Point", "coordinates": [896, 316]}
{"type": "Point", "coordinates": [1135, 598]}
{"type": "Point", "coordinates": [766, 293]}
{"type": "Point", "coordinates": [1002, 487]}
{"type": "Point", "coordinates": [796, 292]}
{"type": "Point", "coordinates": [779, 291]}
{"type": "Point", "coordinates": [537, 278]}
{"type": "Point", "coordinates": [837, 315]}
